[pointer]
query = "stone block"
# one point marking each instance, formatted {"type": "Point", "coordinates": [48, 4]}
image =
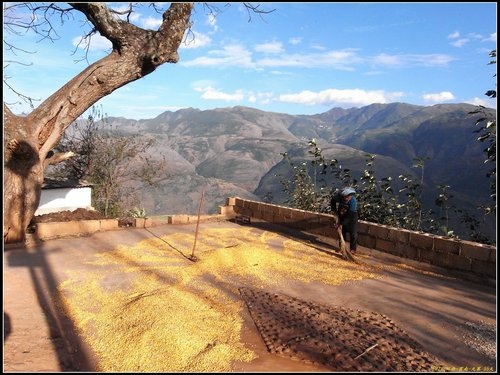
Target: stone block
{"type": "Point", "coordinates": [178, 219]}
{"type": "Point", "coordinates": [452, 261]}
{"type": "Point", "coordinates": [421, 240]}
{"type": "Point", "coordinates": [282, 211]}
{"type": "Point", "coordinates": [67, 228]}
{"type": "Point", "coordinates": [446, 245]}
{"type": "Point", "coordinates": [384, 245]}
{"type": "Point", "coordinates": [426, 255]}
{"type": "Point", "coordinates": [239, 202]}
{"type": "Point", "coordinates": [363, 226]}
{"type": "Point", "coordinates": [408, 251]}
{"type": "Point", "coordinates": [484, 268]}
{"type": "Point", "coordinates": [273, 210]}
{"type": "Point", "coordinates": [399, 235]}
{"type": "Point", "coordinates": [379, 231]}
{"type": "Point", "coordinates": [473, 250]}
{"type": "Point", "coordinates": [269, 217]}
{"type": "Point", "coordinates": [108, 224]}
{"type": "Point", "coordinates": [226, 210]}
{"type": "Point", "coordinates": [364, 240]}
{"type": "Point", "coordinates": [253, 206]}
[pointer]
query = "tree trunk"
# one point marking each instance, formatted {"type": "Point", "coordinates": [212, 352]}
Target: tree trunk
{"type": "Point", "coordinates": [28, 141]}
{"type": "Point", "coordinates": [23, 177]}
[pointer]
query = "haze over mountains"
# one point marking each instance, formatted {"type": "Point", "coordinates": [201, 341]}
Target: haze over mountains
{"type": "Point", "coordinates": [236, 151]}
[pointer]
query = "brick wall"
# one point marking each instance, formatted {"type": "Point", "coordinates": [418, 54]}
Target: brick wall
{"type": "Point", "coordinates": [436, 250]}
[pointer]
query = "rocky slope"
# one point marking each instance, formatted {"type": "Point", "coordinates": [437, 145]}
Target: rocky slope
{"type": "Point", "coordinates": [237, 151]}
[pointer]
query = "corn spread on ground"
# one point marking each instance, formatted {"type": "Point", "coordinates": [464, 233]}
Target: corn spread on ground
{"type": "Point", "coordinates": [164, 312]}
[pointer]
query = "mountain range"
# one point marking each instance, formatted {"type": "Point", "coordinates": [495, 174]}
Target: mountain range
{"type": "Point", "coordinates": [237, 151]}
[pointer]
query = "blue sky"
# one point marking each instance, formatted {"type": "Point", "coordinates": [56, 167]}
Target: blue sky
{"type": "Point", "coordinates": [303, 58]}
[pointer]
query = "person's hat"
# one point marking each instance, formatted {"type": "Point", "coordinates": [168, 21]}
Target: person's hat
{"type": "Point", "coordinates": [348, 191]}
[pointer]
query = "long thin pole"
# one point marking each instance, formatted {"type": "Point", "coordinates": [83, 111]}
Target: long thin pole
{"type": "Point", "coordinates": [197, 223]}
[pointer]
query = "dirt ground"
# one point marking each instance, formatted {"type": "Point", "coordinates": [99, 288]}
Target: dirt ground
{"type": "Point", "coordinates": [287, 324]}
{"type": "Point", "coordinates": [75, 215]}
{"type": "Point", "coordinates": [62, 216]}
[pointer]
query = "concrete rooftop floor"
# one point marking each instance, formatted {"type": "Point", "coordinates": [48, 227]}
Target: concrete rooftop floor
{"type": "Point", "coordinates": [435, 307]}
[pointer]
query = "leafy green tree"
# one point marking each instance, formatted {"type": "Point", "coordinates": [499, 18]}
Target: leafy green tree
{"type": "Point", "coordinates": [371, 201]}
{"type": "Point", "coordinates": [443, 202]}
{"type": "Point", "coordinates": [376, 198]}
{"type": "Point", "coordinates": [300, 189]}
{"type": "Point", "coordinates": [488, 134]}
{"type": "Point", "coordinates": [473, 226]}
{"type": "Point", "coordinates": [394, 207]}
{"type": "Point", "coordinates": [318, 162]}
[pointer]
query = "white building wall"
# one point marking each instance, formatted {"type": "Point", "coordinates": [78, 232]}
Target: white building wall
{"type": "Point", "coordinates": [64, 199]}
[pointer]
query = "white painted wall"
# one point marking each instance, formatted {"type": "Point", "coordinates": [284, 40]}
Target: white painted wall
{"type": "Point", "coordinates": [64, 199]}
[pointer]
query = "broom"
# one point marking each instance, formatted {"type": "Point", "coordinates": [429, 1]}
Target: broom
{"type": "Point", "coordinates": [346, 253]}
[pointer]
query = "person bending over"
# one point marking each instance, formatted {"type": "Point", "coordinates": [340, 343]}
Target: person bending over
{"type": "Point", "coordinates": [344, 203]}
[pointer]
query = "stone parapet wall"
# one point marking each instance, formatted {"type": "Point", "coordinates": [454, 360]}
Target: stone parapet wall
{"type": "Point", "coordinates": [73, 228]}
{"type": "Point", "coordinates": [441, 251]}
{"type": "Point", "coordinates": [193, 219]}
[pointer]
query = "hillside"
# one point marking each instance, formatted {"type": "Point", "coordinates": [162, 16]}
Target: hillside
{"type": "Point", "coordinates": [236, 151]}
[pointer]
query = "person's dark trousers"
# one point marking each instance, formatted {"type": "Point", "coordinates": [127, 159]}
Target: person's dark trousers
{"type": "Point", "coordinates": [350, 225]}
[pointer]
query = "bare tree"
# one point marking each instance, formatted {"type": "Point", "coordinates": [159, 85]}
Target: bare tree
{"type": "Point", "coordinates": [117, 165]}
{"type": "Point", "coordinates": [29, 140]}
{"type": "Point", "coordinates": [136, 52]}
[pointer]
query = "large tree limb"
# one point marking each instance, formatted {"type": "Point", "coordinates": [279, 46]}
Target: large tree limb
{"type": "Point", "coordinates": [28, 140]}
{"type": "Point", "coordinates": [58, 157]}
{"type": "Point", "coordinates": [136, 53]}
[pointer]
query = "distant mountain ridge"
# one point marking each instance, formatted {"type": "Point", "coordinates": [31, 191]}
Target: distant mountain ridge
{"type": "Point", "coordinates": [236, 151]}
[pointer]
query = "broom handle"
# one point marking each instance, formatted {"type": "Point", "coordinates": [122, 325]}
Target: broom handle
{"type": "Point", "coordinates": [198, 222]}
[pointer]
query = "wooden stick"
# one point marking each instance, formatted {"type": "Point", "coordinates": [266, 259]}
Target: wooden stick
{"type": "Point", "coordinates": [197, 224]}
{"type": "Point", "coordinates": [366, 351]}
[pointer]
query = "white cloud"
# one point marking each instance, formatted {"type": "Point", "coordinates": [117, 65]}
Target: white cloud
{"type": "Point", "coordinates": [212, 21]}
{"type": "Point", "coordinates": [491, 38]}
{"type": "Point", "coordinates": [345, 59]}
{"type": "Point", "coordinates": [195, 39]}
{"type": "Point", "coordinates": [488, 103]}
{"type": "Point", "coordinates": [237, 55]}
{"type": "Point", "coordinates": [319, 47]}
{"type": "Point", "coordinates": [151, 23]}
{"type": "Point", "coordinates": [460, 42]}
{"type": "Point", "coordinates": [412, 60]}
{"type": "Point", "coordinates": [231, 55]}
{"type": "Point", "coordinates": [122, 12]}
{"type": "Point", "coordinates": [271, 47]}
{"type": "Point", "coordinates": [342, 59]}
{"type": "Point", "coordinates": [388, 60]}
{"type": "Point", "coordinates": [260, 97]}
{"type": "Point", "coordinates": [439, 97]}
{"type": "Point", "coordinates": [294, 41]}
{"type": "Point", "coordinates": [97, 43]}
{"type": "Point", "coordinates": [341, 97]}
{"type": "Point", "coordinates": [210, 93]}
{"type": "Point", "coordinates": [475, 36]}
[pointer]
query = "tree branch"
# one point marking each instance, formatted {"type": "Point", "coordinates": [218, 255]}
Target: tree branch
{"type": "Point", "coordinates": [58, 157]}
